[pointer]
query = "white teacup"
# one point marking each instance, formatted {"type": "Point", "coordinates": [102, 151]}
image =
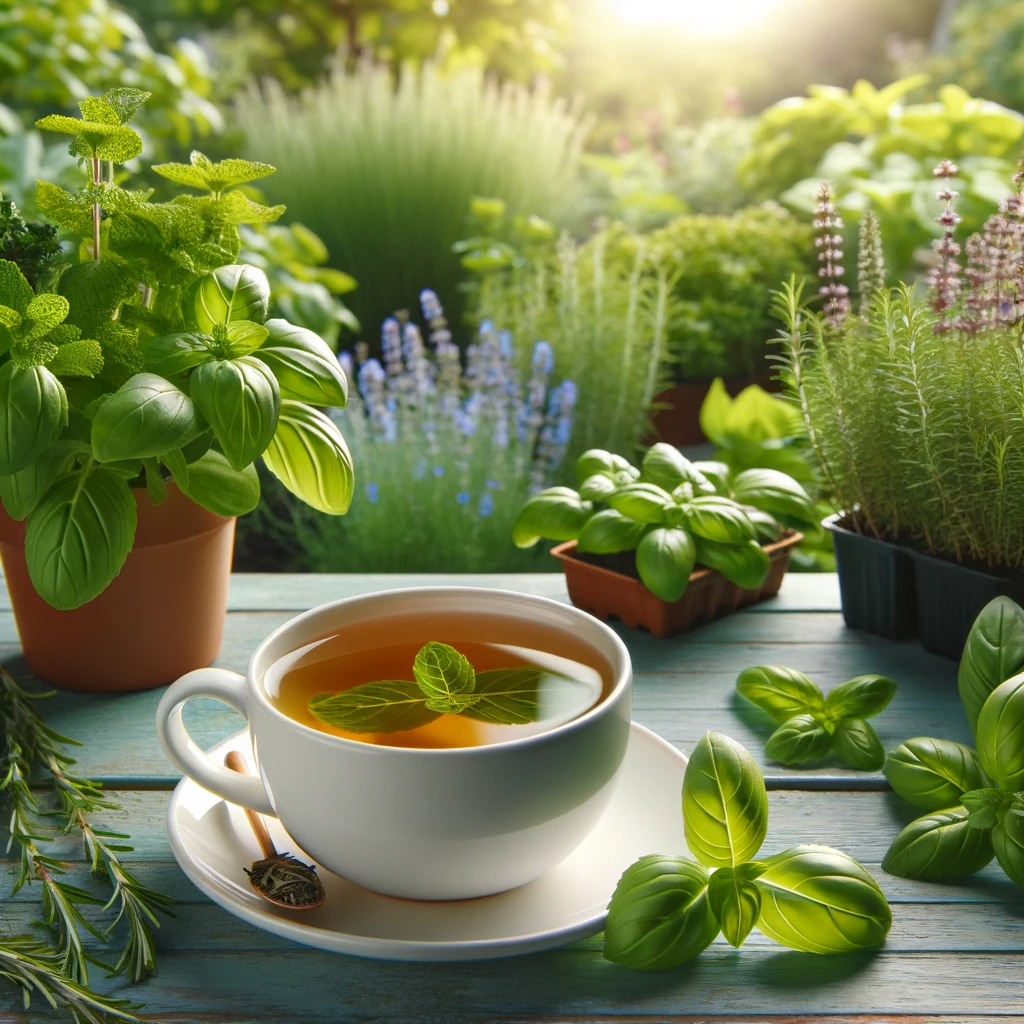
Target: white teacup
{"type": "Point", "coordinates": [418, 823]}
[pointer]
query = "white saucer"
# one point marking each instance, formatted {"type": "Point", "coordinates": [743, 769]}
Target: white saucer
{"type": "Point", "coordinates": [213, 843]}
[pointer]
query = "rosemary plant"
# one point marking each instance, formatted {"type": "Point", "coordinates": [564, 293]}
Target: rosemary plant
{"type": "Point", "coordinates": [915, 413]}
{"type": "Point", "coordinates": [49, 800]}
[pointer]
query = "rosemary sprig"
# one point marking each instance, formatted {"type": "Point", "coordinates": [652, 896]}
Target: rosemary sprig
{"type": "Point", "coordinates": [34, 756]}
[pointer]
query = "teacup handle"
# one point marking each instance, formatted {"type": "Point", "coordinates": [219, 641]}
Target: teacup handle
{"type": "Point", "coordinates": [185, 754]}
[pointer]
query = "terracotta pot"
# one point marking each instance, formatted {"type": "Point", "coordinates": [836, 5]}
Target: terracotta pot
{"type": "Point", "coordinates": [609, 594]}
{"type": "Point", "coordinates": [679, 422]}
{"type": "Point", "coordinates": [162, 615]}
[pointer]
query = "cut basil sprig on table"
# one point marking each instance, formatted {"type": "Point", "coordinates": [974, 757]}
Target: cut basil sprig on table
{"type": "Point", "coordinates": [672, 514]}
{"type": "Point", "coordinates": [667, 909]}
{"type": "Point", "coordinates": [975, 800]}
{"type": "Point", "coordinates": [813, 725]}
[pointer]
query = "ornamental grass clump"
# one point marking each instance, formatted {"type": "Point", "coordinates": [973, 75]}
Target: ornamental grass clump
{"type": "Point", "coordinates": [447, 453]}
{"type": "Point", "coordinates": [915, 412]}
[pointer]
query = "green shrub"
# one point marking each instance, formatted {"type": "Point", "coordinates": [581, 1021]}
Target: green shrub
{"type": "Point", "coordinates": [386, 173]}
{"type": "Point", "coordinates": [725, 271]}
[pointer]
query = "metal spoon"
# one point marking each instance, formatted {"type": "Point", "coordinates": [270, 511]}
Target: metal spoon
{"type": "Point", "coordinates": [279, 877]}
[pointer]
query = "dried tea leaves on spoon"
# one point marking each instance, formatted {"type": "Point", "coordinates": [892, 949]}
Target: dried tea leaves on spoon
{"type": "Point", "coordinates": [287, 881]}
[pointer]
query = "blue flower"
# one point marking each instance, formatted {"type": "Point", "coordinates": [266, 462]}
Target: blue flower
{"type": "Point", "coordinates": [371, 493]}
{"type": "Point", "coordinates": [543, 357]}
{"type": "Point", "coordinates": [419, 470]}
{"type": "Point", "coordinates": [486, 506]}
{"type": "Point", "coordinates": [345, 362]}
{"type": "Point", "coordinates": [438, 471]}
{"type": "Point", "coordinates": [505, 344]}
{"type": "Point", "coordinates": [569, 394]}
{"type": "Point", "coordinates": [430, 304]}
{"type": "Point", "coordinates": [493, 484]}
{"type": "Point", "coordinates": [462, 498]}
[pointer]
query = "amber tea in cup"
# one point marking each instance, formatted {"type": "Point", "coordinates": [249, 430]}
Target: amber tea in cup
{"type": "Point", "coordinates": [559, 680]}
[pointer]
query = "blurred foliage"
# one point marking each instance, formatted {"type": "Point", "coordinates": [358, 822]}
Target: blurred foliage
{"type": "Point", "coordinates": [726, 270]}
{"type": "Point", "coordinates": [303, 291]}
{"type": "Point", "coordinates": [756, 430]}
{"type": "Point", "coordinates": [878, 153]}
{"type": "Point", "coordinates": [55, 52]}
{"type": "Point", "coordinates": [386, 172]}
{"type": "Point", "coordinates": [26, 158]}
{"type": "Point", "coordinates": [293, 41]}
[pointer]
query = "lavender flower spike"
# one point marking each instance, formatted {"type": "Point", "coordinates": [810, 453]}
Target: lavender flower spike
{"type": "Point", "coordinates": [945, 278]}
{"type": "Point", "coordinates": [836, 295]}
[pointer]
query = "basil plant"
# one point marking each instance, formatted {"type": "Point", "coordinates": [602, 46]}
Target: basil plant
{"type": "Point", "coordinates": [668, 908]}
{"type": "Point", "coordinates": [146, 358]}
{"type": "Point", "coordinates": [674, 513]}
{"type": "Point", "coordinates": [973, 797]}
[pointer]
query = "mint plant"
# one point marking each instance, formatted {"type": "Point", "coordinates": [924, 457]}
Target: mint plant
{"type": "Point", "coordinates": [444, 683]}
{"type": "Point", "coordinates": [666, 909]}
{"type": "Point", "coordinates": [974, 798]}
{"type": "Point", "coordinates": [139, 361]}
{"type": "Point", "coordinates": [811, 725]}
{"type": "Point", "coordinates": [673, 512]}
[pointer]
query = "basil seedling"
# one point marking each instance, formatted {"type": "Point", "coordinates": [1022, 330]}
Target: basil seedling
{"type": "Point", "coordinates": [813, 725]}
{"type": "Point", "coordinates": [974, 798]}
{"type": "Point", "coordinates": [668, 909]}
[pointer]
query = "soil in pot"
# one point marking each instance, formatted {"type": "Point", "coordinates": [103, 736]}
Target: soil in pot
{"type": "Point", "coordinates": [163, 614]}
{"type": "Point", "coordinates": [679, 422]}
{"type": "Point", "coordinates": [876, 582]}
{"type": "Point", "coordinates": [608, 587]}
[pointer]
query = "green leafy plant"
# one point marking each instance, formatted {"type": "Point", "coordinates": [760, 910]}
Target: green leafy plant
{"type": "Point", "coordinates": [973, 797]}
{"type": "Point", "coordinates": [386, 173]}
{"type": "Point", "coordinates": [444, 683]}
{"type": "Point", "coordinates": [604, 306]}
{"type": "Point", "coordinates": [143, 363]}
{"type": "Point", "coordinates": [667, 909]}
{"type": "Point", "coordinates": [48, 800]}
{"type": "Point", "coordinates": [811, 725]}
{"type": "Point", "coordinates": [673, 512]}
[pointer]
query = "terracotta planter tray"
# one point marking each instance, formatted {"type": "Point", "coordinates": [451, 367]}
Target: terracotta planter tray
{"type": "Point", "coordinates": [609, 594]}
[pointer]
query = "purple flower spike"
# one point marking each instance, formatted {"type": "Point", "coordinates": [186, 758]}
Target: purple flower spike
{"type": "Point", "coordinates": [486, 506]}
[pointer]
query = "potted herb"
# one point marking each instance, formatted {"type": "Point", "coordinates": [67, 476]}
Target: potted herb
{"type": "Point", "coordinates": [914, 416]}
{"type": "Point", "coordinates": [676, 515]}
{"type": "Point", "coordinates": [140, 380]}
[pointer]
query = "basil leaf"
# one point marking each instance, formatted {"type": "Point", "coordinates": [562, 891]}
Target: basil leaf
{"type": "Point", "coordinates": [933, 774]}
{"type": "Point", "coordinates": [506, 696]}
{"type": "Point", "coordinates": [20, 491]}
{"type": "Point", "coordinates": [597, 488]}
{"type": "Point", "coordinates": [664, 561]}
{"type": "Point", "coordinates": [555, 514]}
{"type": "Point", "coordinates": [782, 692]}
{"type": "Point", "coordinates": [78, 536]}
{"type": "Point", "coordinates": [244, 337]}
{"type": "Point", "coordinates": [607, 532]}
{"type": "Point", "coordinates": [768, 528]}
{"type": "Point", "coordinates": [1000, 734]}
{"type": "Point", "coordinates": [667, 467]}
{"type": "Point", "coordinates": [775, 492]}
{"type": "Point", "coordinates": [211, 482]}
{"type": "Point", "coordinates": [156, 486]}
{"type": "Point", "coordinates": [309, 456]}
{"type": "Point", "coordinates": [659, 915]}
{"type": "Point", "coordinates": [994, 651]}
{"type": "Point", "coordinates": [718, 474]}
{"type": "Point", "coordinates": [305, 367]}
{"type": "Point", "coordinates": [800, 739]}
{"type": "Point", "coordinates": [643, 502]}
{"type": "Point", "coordinates": [983, 807]}
{"type": "Point", "coordinates": [719, 519]}
{"type": "Point", "coordinates": [234, 292]}
{"type": "Point", "coordinates": [175, 353]}
{"type": "Point", "coordinates": [856, 742]}
{"type": "Point", "coordinates": [241, 401]}
{"type": "Point", "coordinates": [146, 417]}
{"type": "Point", "coordinates": [33, 410]}
{"type": "Point", "coordinates": [1008, 844]}
{"type": "Point", "coordinates": [819, 900]}
{"type": "Point", "coordinates": [735, 901]}
{"type": "Point", "coordinates": [725, 806]}
{"type": "Point", "coordinates": [746, 565]}
{"type": "Point", "coordinates": [391, 705]}
{"type": "Point", "coordinates": [862, 697]}
{"type": "Point", "coordinates": [441, 672]}
{"type": "Point", "coordinates": [938, 846]}
{"type": "Point", "coordinates": [595, 461]}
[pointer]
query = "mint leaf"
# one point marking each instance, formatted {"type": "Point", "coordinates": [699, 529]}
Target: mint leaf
{"type": "Point", "coordinates": [442, 672]}
{"type": "Point", "coordinates": [507, 696]}
{"type": "Point", "coordinates": [392, 705]}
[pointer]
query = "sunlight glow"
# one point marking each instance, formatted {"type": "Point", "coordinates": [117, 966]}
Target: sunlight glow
{"type": "Point", "coordinates": [705, 17]}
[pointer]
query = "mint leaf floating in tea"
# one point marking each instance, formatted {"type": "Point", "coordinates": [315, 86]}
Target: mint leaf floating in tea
{"type": "Point", "coordinates": [445, 683]}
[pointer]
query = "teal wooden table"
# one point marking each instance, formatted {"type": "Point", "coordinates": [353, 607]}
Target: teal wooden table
{"type": "Point", "coordinates": [956, 951]}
